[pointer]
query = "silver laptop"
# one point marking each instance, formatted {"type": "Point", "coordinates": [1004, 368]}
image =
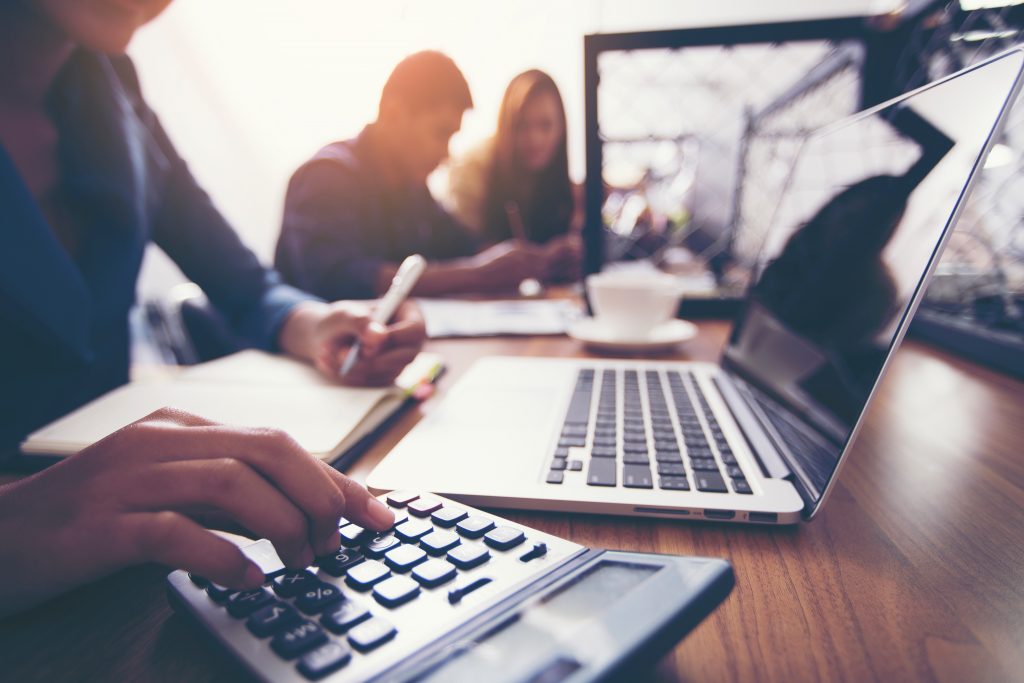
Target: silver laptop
{"type": "Point", "coordinates": [760, 436]}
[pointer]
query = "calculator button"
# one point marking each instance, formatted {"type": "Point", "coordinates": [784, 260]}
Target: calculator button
{"type": "Point", "coordinates": [448, 517]}
{"type": "Point", "coordinates": [271, 619]}
{"type": "Point", "coordinates": [399, 518]}
{"type": "Point", "coordinates": [439, 542]}
{"type": "Point", "coordinates": [422, 507]}
{"type": "Point", "coordinates": [538, 550]}
{"type": "Point", "coordinates": [371, 634]}
{"type": "Point", "coordinates": [263, 554]}
{"type": "Point", "coordinates": [344, 616]}
{"type": "Point", "coordinates": [219, 593]}
{"type": "Point", "coordinates": [468, 556]}
{"type": "Point", "coordinates": [405, 557]}
{"type": "Point", "coordinates": [198, 580]}
{"type": "Point", "coordinates": [298, 639]}
{"type": "Point", "coordinates": [504, 537]}
{"type": "Point", "coordinates": [433, 573]}
{"type": "Point", "coordinates": [396, 591]}
{"type": "Point", "coordinates": [245, 603]}
{"type": "Point", "coordinates": [353, 534]}
{"type": "Point", "coordinates": [317, 597]}
{"type": "Point", "coordinates": [363, 576]}
{"type": "Point", "coordinates": [474, 526]}
{"type": "Point", "coordinates": [291, 583]}
{"type": "Point", "coordinates": [339, 562]}
{"type": "Point", "coordinates": [466, 587]}
{"type": "Point", "coordinates": [399, 499]}
{"type": "Point", "coordinates": [380, 544]}
{"type": "Point", "coordinates": [324, 660]}
{"type": "Point", "coordinates": [413, 530]}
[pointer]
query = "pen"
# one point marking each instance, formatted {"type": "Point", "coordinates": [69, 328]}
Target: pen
{"type": "Point", "coordinates": [408, 273]}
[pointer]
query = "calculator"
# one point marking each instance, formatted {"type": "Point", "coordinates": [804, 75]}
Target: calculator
{"type": "Point", "coordinates": [454, 594]}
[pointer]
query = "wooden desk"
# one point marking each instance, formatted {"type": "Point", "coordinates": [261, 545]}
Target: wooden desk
{"type": "Point", "coordinates": [913, 572]}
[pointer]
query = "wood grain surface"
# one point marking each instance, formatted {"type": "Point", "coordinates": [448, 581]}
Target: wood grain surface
{"type": "Point", "coordinates": [914, 571]}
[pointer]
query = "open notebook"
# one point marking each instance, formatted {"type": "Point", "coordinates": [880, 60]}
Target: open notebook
{"type": "Point", "coordinates": [249, 389]}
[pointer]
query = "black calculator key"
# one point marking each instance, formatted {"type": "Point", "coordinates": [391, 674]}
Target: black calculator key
{"type": "Point", "coordinates": [318, 597]}
{"type": "Point", "coordinates": [396, 591]}
{"type": "Point", "coordinates": [344, 616]}
{"type": "Point", "coordinates": [636, 477]}
{"type": "Point", "coordinates": [272, 618]}
{"type": "Point", "coordinates": [433, 573]}
{"type": "Point", "coordinates": [219, 593]}
{"type": "Point", "coordinates": [246, 602]}
{"type": "Point", "coordinates": [422, 507]}
{"type": "Point", "coordinates": [399, 499]}
{"type": "Point", "coordinates": [399, 518]}
{"type": "Point", "coordinates": [740, 485]}
{"type": "Point", "coordinates": [474, 526]}
{"type": "Point", "coordinates": [413, 530]}
{"type": "Point", "coordinates": [377, 546]}
{"type": "Point", "coordinates": [405, 557]}
{"type": "Point", "coordinates": [575, 465]}
{"type": "Point", "coordinates": [601, 472]}
{"type": "Point", "coordinates": [555, 477]}
{"type": "Point", "coordinates": [671, 469]}
{"type": "Point", "coordinates": [709, 481]}
{"type": "Point", "coordinates": [298, 639]}
{"type": "Point", "coordinates": [538, 550]}
{"type": "Point", "coordinates": [292, 582]}
{"type": "Point", "coordinates": [324, 660]}
{"type": "Point", "coordinates": [339, 562]}
{"type": "Point", "coordinates": [440, 541]}
{"type": "Point", "coordinates": [353, 535]}
{"type": "Point", "coordinates": [448, 516]}
{"type": "Point", "coordinates": [370, 634]}
{"type": "Point", "coordinates": [198, 580]}
{"type": "Point", "coordinates": [363, 576]}
{"type": "Point", "coordinates": [504, 537]}
{"type": "Point", "coordinates": [468, 556]}
{"type": "Point", "coordinates": [674, 483]}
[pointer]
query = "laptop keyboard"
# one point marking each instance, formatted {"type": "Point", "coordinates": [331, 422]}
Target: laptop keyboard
{"type": "Point", "coordinates": [648, 429]}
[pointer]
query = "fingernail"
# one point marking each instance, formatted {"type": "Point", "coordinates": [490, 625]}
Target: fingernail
{"type": "Point", "coordinates": [379, 514]}
{"type": "Point", "coordinates": [254, 576]}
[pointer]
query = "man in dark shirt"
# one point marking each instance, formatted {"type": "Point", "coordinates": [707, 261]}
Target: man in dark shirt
{"type": "Point", "coordinates": [360, 206]}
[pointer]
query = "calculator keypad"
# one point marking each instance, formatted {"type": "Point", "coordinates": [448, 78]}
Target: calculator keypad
{"type": "Point", "coordinates": [380, 595]}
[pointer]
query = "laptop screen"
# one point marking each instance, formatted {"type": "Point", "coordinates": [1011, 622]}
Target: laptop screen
{"type": "Point", "coordinates": [867, 205]}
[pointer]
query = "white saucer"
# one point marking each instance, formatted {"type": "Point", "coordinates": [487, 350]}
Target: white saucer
{"type": "Point", "coordinates": [661, 338]}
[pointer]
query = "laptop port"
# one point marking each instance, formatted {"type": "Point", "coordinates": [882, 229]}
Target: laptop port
{"type": "Point", "coordinates": [719, 514]}
{"type": "Point", "coordinates": [764, 517]}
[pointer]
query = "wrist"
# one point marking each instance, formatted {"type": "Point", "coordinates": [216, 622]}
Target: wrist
{"type": "Point", "coordinates": [297, 336]}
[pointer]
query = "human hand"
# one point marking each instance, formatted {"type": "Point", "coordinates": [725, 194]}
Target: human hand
{"type": "Point", "coordinates": [506, 264]}
{"type": "Point", "coordinates": [326, 333]}
{"type": "Point", "coordinates": [137, 496]}
{"type": "Point", "coordinates": [563, 258]}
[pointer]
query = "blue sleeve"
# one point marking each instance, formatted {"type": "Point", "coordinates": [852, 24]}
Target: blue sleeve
{"type": "Point", "coordinates": [190, 229]}
{"type": "Point", "coordinates": [321, 245]}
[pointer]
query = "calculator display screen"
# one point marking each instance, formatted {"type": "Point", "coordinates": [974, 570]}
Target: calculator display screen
{"type": "Point", "coordinates": [537, 641]}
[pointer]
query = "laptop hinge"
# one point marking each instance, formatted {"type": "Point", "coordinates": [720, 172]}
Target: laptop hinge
{"type": "Point", "coordinates": [764, 450]}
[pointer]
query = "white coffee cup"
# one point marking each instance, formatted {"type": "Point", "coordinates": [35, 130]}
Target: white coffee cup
{"type": "Point", "coordinates": [631, 304]}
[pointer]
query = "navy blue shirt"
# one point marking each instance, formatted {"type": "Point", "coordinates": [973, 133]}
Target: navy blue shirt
{"type": "Point", "coordinates": [342, 223]}
{"type": "Point", "coordinates": [63, 318]}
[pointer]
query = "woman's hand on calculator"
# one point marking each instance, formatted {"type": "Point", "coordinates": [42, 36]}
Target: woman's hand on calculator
{"type": "Point", "coordinates": [136, 496]}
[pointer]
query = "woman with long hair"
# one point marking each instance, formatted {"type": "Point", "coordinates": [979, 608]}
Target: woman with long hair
{"type": "Point", "coordinates": [516, 186]}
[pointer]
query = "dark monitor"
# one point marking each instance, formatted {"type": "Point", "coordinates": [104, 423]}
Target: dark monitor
{"type": "Point", "coordinates": [866, 210]}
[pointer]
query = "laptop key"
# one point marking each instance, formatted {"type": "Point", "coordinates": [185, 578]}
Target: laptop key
{"type": "Point", "coordinates": [740, 485]}
{"type": "Point", "coordinates": [555, 477]}
{"type": "Point", "coordinates": [734, 471]}
{"type": "Point", "coordinates": [671, 469]}
{"type": "Point", "coordinates": [603, 452]}
{"type": "Point", "coordinates": [561, 452]}
{"type": "Point", "coordinates": [710, 481]}
{"type": "Point", "coordinates": [572, 441]}
{"type": "Point", "coordinates": [729, 459]}
{"type": "Point", "coordinates": [705, 464]}
{"type": "Point", "coordinates": [636, 477]}
{"type": "Point", "coordinates": [601, 472]}
{"type": "Point", "coordinates": [605, 442]}
{"type": "Point", "coordinates": [558, 464]}
{"type": "Point", "coordinates": [674, 483]}
{"type": "Point", "coordinates": [636, 458]}
{"type": "Point", "coordinates": [668, 456]}
{"type": "Point", "coordinates": [575, 465]}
